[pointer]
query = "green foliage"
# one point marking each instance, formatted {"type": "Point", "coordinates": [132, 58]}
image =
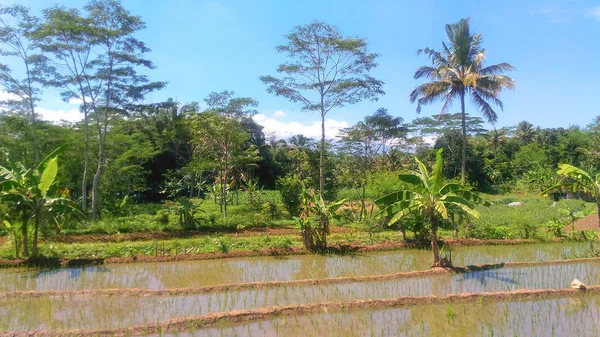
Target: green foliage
{"type": "Point", "coordinates": [30, 195]}
{"type": "Point", "coordinates": [431, 197]}
{"type": "Point", "coordinates": [186, 210]}
{"type": "Point", "coordinates": [290, 189]}
{"type": "Point", "coordinates": [532, 219]}
{"type": "Point", "coordinates": [314, 236]}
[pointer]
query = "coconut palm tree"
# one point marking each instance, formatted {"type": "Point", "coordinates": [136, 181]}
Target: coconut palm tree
{"type": "Point", "coordinates": [431, 197]}
{"type": "Point", "coordinates": [525, 132]}
{"type": "Point", "coordinates": [496, 138]}
{"type": "Point", "coordinates": [457, 71]}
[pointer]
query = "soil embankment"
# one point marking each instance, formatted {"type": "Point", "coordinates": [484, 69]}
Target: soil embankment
{"type": "Point", "coordinates": [336, 249]}
{"type": "Point", "coordinates": [244, 316]}
{"type": "Point", "coordinates": [275, 284]}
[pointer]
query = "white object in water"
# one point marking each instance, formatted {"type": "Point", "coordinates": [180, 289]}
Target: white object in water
{"type": "Point", "coordinates": [576, 284]}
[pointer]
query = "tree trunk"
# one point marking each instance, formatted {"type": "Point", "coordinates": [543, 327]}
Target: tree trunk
{"type": "Point", "coordinates": [434, 244]}
{"type": "Point", "coordinates": [223, 190]}
{"type": "Point", "coordinates": [96, 180]}
{"type": "Point", "coordinates": [36, 148]}
{"type": "Point", "coordinates": [34, 243]}
{"type": "Point", "coordinates": [86, 159]}
{"type": "Point", "coordinates": [192, 186]}
{"type": "Point", "coordinates": [323, 222]}
{"type": "Point", "coordinates": [598, 206]}
{"type": "Point", "coordinates": [322, 159]}
{"type": "Point", "coordinates": [24, 243]}
{"type": "Point", "coordinates": [463, 168]}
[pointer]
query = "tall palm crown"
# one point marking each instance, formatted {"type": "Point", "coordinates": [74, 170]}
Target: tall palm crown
{"type": "Point", "coordinates": [458, 70]}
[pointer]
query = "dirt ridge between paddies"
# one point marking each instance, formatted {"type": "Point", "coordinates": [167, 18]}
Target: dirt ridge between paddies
{"type": "Point", "coordinates": [130, 292]}
{"type": "Point", "coordinates": [336, 249]}
{"type": "Point", "coordinates": [244, 316]}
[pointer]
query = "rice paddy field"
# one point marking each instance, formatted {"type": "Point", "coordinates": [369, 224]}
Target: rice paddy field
{"type": "Point", "coordinates": [514, 290]}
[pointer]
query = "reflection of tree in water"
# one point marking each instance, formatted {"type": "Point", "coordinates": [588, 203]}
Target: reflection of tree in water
{"type": "Point", "coordinates": [494, 274]}
{"type": "Point", "coordinates": [73, 272]}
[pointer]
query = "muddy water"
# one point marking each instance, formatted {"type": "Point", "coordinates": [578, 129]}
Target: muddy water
{"type": "Point", "coordinates": [60, 313]}
{"type": "Point", "coordinates": [558, 317]}
{"type": "Point", "coordinates": [212, 272]}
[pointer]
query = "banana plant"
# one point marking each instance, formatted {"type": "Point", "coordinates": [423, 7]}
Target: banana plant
{"type": "Point", "coordinates": [576, 179]}
{"type": "Point", "coordinates": [315, 237]}
{"type": "Point", "coordinates": [31, 198]}
{"type": "Point", "coordinates": [429, 195]}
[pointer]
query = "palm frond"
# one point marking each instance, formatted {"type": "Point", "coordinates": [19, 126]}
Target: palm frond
{"type": "Point", "coordinates": [496, 69]}
{"type": "Point", "coordinates": [484, 107]}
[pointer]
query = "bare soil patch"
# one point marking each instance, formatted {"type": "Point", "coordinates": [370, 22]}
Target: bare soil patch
{"type": "Point", "coordinates": [588, 223]}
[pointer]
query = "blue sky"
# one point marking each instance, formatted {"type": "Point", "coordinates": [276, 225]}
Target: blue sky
{"type": "Point", "coordinates": [200, 46]}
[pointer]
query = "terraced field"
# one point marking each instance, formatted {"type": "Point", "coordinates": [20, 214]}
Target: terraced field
{"type": "Point", "coordinates": [515, 290]}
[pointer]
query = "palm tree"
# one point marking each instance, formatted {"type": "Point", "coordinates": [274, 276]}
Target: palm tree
{"type": "Point", "coordinates": [525, 132]}
{"type": "Point", "coordinates": [431, 197]}
{"type": "Point", "coordinates": [29, 194]}
{"type": "Point", "coordinates": [496, 138]}
{"type": "Point", "coordinates": [458, 70]}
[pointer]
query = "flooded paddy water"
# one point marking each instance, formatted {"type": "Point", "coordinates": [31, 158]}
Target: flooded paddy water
{"type": "Point", "coordinates": [183, 274]}
{"type": "Point", "coordinates": [556, 317]}
{"type": "Point", "coordinates": [65, 312]}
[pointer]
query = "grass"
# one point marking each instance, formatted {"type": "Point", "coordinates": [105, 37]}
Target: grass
{"type": "Point", "coordinates": [533, 219]}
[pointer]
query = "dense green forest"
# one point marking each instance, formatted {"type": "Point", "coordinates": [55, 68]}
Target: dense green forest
{"type": "Point", "coordinates": [211, 163]}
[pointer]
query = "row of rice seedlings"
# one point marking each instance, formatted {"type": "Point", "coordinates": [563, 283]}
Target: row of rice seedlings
{"type": "Point", "coordinates": [257, 269]}
{"type": "Point", "coordinates": [556, 317]}
{"type": "Point", "coordinates": [67, 312]}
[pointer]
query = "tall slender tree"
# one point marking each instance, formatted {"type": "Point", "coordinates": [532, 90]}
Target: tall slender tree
{"type": "Point", "coordinates": [121, 85]}
{"type": "Point", "coordinates": [458, 70]}
{"type": "Point", "coordinates": [326, 71]}
{"type": "Point", "coordinates": [68, 37]}
{"type": "Point", "coordinates": [98, 56]}
{"type": "Point", "coordinates": [16, 41]}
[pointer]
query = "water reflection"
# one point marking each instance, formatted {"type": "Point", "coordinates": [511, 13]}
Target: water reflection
{"type": "Point", "coordinates": [184, 274]}
{"type": "Point", "coordinates": [74, 312]}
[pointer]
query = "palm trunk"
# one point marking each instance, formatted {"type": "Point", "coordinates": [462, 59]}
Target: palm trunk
{"type": "Point", "coordinates": [463, 168]}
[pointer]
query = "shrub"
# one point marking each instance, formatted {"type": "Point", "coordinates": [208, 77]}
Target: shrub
{"type": "Point", "coordinates": [290, 188]}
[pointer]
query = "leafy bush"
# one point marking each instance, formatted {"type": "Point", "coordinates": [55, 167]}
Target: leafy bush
{"type": "Point", "coordinates": [290, 188]}
{"type": "Point", "coordinates": [536, 217]}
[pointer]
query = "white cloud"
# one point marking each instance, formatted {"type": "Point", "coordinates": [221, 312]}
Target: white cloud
{"type": "Point", "coordinates": [279, 113]}
{"type": "Point", "coordinates": [8, 96]}
{"type": "Point", "coordinates": [284, 130]}
{"type": "Point", "coordinates": [72, 115]}
{"type": "Point", "coordinates": [430, 140]}
{"type": "Point", "coordinates": [72, 101]}
{"type": "Point", "coordinates": [595, 13]}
